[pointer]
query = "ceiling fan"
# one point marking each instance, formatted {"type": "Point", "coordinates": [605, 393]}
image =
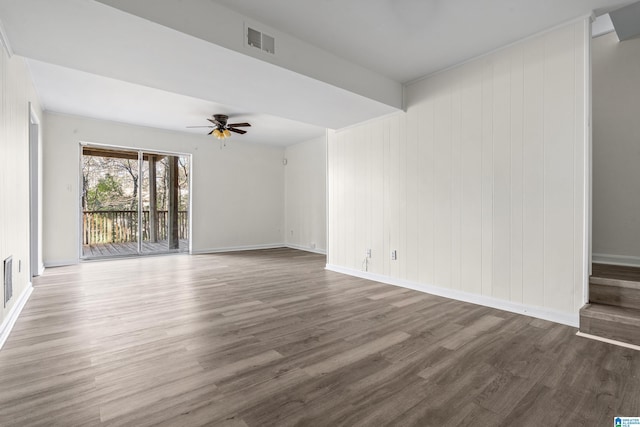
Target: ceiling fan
{"type": "Point", "coordinates": [222, 129]}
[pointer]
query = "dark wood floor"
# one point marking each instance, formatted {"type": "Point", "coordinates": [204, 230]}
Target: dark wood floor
{"type": "Point", "coordinates": [617, 272]}
{"type": "Point", "coordinates": [270, 338]}
{"type": "Point", "coordinates": [106, 250]}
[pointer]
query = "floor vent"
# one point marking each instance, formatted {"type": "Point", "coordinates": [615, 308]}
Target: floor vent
{"type": "Point", "coordinates": [261, 41]}
{"type": "Point", "coordinates": [8, 280]}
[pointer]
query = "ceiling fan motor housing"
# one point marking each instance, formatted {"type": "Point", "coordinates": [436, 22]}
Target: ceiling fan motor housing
{"type": "Point", "coordinates": [221, 118]}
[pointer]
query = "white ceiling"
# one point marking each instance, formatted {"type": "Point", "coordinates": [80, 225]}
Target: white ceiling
{"type": "Point", "coordinates": [84, 51]}
{"type": "Point", "coordinates": [408, 39]}
{"type": "Point", "coordinates": [69, 91]}
{"type": "Point", "coordinates": [90, 59]}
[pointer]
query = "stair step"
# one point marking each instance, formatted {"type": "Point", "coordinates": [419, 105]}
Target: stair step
{"type": "Point", "coordinates": [617, 292]}
{"type": "Point", "coordinates": [619, 272]}
{"type": "Point", "coordinates": [616, 323]}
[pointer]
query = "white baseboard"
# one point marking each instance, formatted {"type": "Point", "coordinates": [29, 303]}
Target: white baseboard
{"type": "Point", "coordinates": [570, 319]}
{"type": "Point", "coordinates": [60, 263]}
{"type": "Point", "coordinates": [624, 260]}
{"type": "Point", "coordinates": [306, 249]}
{"type": "Point", "coordinates": [237, 248]}
{"type": "Point", "coordinates": [12, 316]}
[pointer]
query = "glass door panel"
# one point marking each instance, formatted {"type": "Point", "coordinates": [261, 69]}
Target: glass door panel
{"type": "Point", "coordinates": [165, 201]}
{"type": "Point", "coordinates": [109, 202]}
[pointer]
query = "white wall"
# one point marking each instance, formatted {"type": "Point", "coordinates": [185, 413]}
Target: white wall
{"type": "Point", "coordinates": [305, 195]}
{"type": "Point", "coordinates": [480, 186]}
{"type": "Point", "coordinates": [237, 192]}
{"type": "Point", "coordinates": [616, 150]}
{"type": "Point", "coordinates": [16, 92]}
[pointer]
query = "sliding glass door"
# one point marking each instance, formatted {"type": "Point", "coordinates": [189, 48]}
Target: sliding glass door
{"type": "Point", "coordinates": [133, 202]}
{"type": "Point", "coordinates": [165, 202]}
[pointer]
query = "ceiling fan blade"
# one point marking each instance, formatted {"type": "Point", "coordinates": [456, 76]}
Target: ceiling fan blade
{"type": "Point", "coordinates": [240, 131]}
{"type": "Point", "coordinates": [215, 122]}
{"type": "Point", "coordinates": [210, 132]}
{"type": "Point", "coordinates": [236, 125]}
{"type": "Point", "coordinates": [200, 126]}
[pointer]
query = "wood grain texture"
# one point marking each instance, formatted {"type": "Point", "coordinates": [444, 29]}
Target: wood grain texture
{"type": "Point", "coordinates": [613, 311]}
{"type": "Point", "coordinates": [618, 272]}
{"type": "Point", "coordinates": [613, 322]}
{"type": "Point", "coordinates": [619, 293]}
{"type": "Point", "coordinates": [270, 338]}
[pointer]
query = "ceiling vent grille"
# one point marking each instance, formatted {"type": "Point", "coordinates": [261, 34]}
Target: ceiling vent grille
{"type": "Point", "coordinates": [261, 41]}
{"type": "Point", "coordinates": [254, 38]}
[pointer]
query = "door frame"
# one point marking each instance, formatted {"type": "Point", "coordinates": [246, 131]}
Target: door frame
{"type": "Point", "coordinates": [36, 265]}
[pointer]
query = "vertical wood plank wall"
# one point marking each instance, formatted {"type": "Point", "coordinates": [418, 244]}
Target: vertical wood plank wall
{"type": "Point", "coordinates": [480, 186]}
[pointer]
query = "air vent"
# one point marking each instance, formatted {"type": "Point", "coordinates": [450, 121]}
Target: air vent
{"type": "Point", "coordinates": [268, 44]}
{"type": "Point", "coordinates": [261, 41]}
{"type": "Point", "coordinates": [8, 279]}
{"type": "Point", "coordinates": [254, 38]}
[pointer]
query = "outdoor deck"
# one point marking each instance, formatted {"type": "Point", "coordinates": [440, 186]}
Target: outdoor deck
{"type": "Point", "coordinates": [101, 250]}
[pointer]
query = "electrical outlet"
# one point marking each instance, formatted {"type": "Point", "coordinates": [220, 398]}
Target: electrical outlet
{"type": "Point", "coordinates": [313, 245]}
{"type": "Point", "coordinates": [394, 255]}
{"type": "Point", "coordinates": [368, 253]}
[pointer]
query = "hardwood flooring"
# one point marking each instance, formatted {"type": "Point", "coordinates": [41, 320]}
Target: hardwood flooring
{"type": "Point", "coordinates": [617, 272]}
{"type": "Point", "coordinates": [270, 338]}
{"type": "Point", "coordinates": [613, 311]}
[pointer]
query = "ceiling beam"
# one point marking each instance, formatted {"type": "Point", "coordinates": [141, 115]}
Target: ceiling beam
{"type": "Point", "coordinates": [626, 21]}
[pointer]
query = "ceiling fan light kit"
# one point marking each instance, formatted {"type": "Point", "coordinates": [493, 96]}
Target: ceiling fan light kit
{"type": "Point", "coordinates": [221, 134]}
{"type": "Point", "coordinates": [222, 129]}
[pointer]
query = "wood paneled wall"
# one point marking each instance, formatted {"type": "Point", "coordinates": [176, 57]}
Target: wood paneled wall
{"type": "Point", "coordinates": [481, 186]}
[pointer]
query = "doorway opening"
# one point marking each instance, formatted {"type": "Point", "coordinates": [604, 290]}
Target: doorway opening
{"type": "Point", "coordinates": [36, 265]}
{"type": "Point", "coordinates": [134, 202]}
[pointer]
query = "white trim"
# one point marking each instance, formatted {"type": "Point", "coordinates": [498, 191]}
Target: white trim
{"type": "Point", "coordinates": [570, 319]}
{"type": "Point", "coordinates": [190, 213]}
{"type": "Point", "coordinates": [608, 341]}
{"type": "Point", "coordinates": [12, 316]}
{"type": "Point", "coordinates": [4, 40]}
{"type": "Point", "coordinates": [61, 263]}
{"type": "Point", "coordinates": [239, 248]}
{"type": "Point", "coordinates": [624, 260]}
{"type": "Point", "coordinates": [328, 136]}
{"type": "Point", "coordinates": [79, 208]}
{"type": "Point", "coordinates": [35, 191]}
{"type": "Point", "coordinates": [306, 249]}
{"type": "Point", "coordinates": [587, 165]}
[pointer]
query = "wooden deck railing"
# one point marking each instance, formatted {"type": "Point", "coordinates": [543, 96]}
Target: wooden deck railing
{"type": "Point", "coordinates": [122, 226]}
